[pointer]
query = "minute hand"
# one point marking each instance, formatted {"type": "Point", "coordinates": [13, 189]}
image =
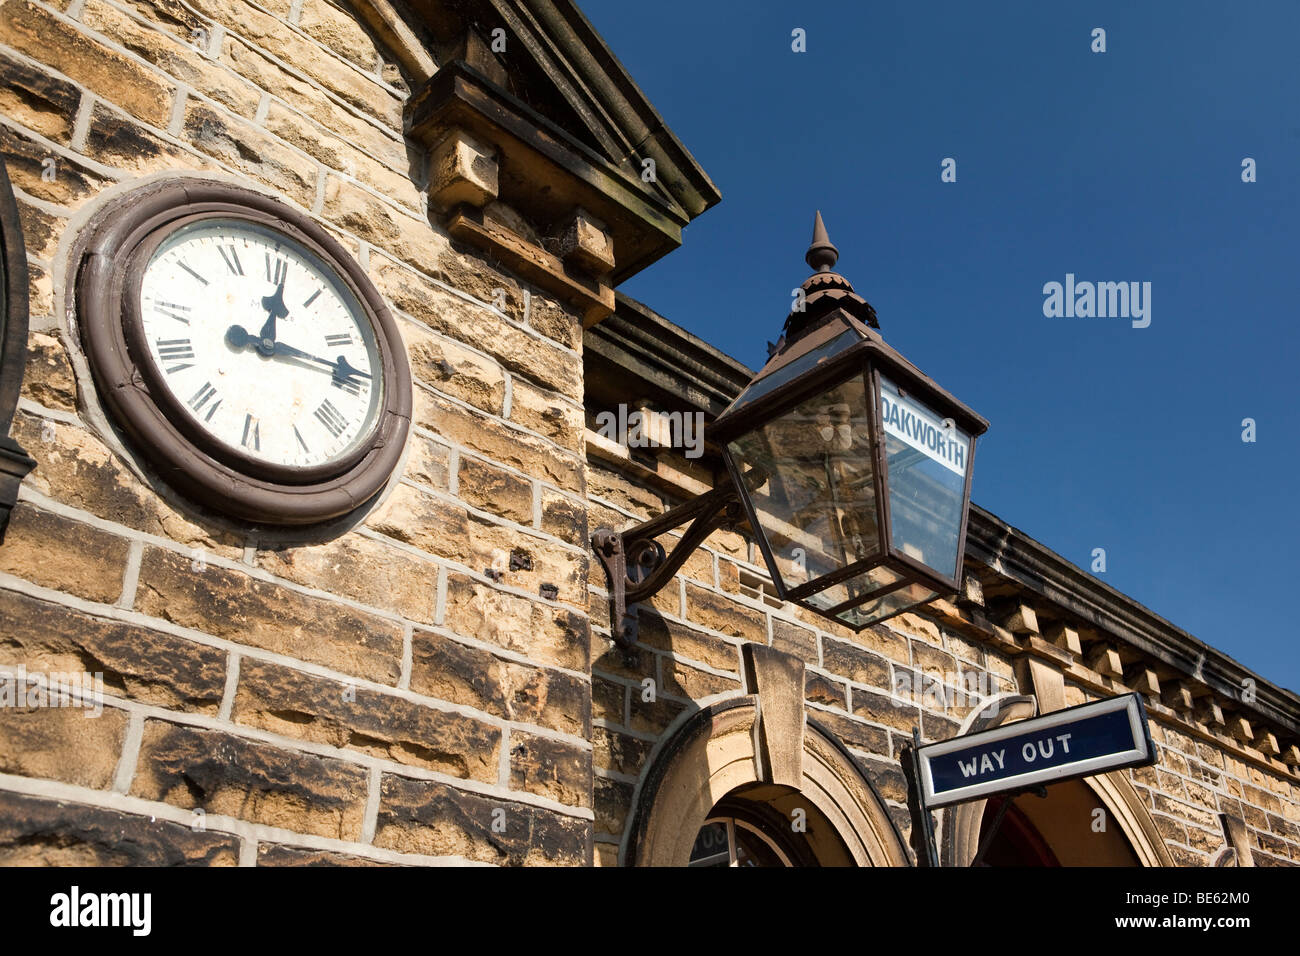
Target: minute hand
{"type": "Point", "coordinates": [340, 366]}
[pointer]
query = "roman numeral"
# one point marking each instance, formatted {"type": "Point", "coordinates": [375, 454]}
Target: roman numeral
{"type": "Point", "coordinates": [343, 338]}
{"type": "Point", "coordinates": [275, 270]}
{"type": "Point", "coordinates": [175, 350]}
{"type": "Point", "coordinates": [252, 432]}
{"type": "Point", "coordinates": [301, 443]}
{"type": "Point", "coordinates": [330, 417]}
{"type": "Point", "coordinates": [171, 310]}
{"type": "Point", "coordinates": [201, 398]}
{"type": "Point", "coordinates": [232, 260]}
{"type": "Point", "coordinates": [349, 385]}
{"type": "Point", "coordinates": [311, 298]}
{"type": "Point", "coordinates": [181, 263]}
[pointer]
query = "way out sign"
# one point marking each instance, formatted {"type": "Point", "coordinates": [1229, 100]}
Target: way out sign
{"type": "Point", "coordinates": [1075, 742]}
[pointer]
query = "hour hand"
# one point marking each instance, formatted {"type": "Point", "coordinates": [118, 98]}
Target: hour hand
{"type": "Point", "coordinates": [275, 309]}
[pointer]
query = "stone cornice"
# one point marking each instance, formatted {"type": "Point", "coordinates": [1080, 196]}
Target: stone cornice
{"type": "Point", "coordinates": [669, 364]}
{"type": "Point", "coordinates": [605, 93]}
{"type": "Point", "coordinates": [1014, 555]}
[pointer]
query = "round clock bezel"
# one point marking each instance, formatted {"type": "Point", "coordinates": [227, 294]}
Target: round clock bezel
{"type": "Point", "coordinates": [108, 277]}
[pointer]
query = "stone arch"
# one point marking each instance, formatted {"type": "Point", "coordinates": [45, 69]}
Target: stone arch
{"type": "Point", "coordinates": [960, 828]}
{"type": "Point", "coordinates": [715, 752]}
{"type": "Point", "coordinates": [1118, 796]}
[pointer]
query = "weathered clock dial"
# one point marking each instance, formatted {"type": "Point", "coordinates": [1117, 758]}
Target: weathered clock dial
{"type": "Point", "coordinates": [260, 343]}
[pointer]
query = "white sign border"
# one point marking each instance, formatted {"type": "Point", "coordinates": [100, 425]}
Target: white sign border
{"type": "Point", "coordinates": [1130, 702]}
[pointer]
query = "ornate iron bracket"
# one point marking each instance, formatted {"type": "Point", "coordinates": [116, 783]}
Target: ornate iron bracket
{"type": "Point", "coordinates": [637, 564]}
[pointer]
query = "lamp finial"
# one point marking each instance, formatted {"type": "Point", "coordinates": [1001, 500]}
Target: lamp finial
{"type": "Point", "coordinates": [821, 255]}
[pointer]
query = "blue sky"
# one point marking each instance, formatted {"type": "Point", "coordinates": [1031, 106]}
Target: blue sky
{"type": "Point", "coordinates": [1116, 166]}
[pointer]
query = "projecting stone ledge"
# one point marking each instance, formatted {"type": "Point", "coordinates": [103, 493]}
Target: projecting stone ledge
{"type": "Point", "coordinates": [578, 221]}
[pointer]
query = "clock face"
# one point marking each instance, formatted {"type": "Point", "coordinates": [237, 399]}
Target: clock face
{"type": "Point", "coordinates": [261, 344]}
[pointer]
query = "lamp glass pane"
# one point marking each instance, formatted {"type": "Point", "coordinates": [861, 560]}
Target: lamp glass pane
{"type": "Point", "coordinates": [887, 604]}
{"type": "Point", "coordinates": [927, 461]}
{"type": "Point", "coordinates": [860, 585]}
{"type": "Point", "coordinates": [809, 475]}
{"type": "Point", "coordinates": [788, 373]}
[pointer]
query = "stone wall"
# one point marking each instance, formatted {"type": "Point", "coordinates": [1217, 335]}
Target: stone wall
{"type": "Point", "coordinates": [411, 687]}
{"type": "Point", "coordinates": [928, 670]}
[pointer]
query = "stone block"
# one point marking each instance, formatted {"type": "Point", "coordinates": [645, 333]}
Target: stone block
{"type": "Point", "coordinates": [60, 743]}
{"type": "Point", "coordinates": [36, 99]}
{"type": "Point", "coordinates": [275, 854]}
{"type": "Point", "coordinates": [62, 553]}
{"type": "Point", "coordinates": [548, 414]}
{"type": "Point", "coordinates": [258, 613]}
{"type": "Point", "coordinates": [180, 60]}
{"type": "Point", "coordinates": [527, 354]}
{"type": "Point", "coordinates": [855, 663]}
{"type": "Point", "coordinates": [35, 831]}
{"type": "Point", "coordinates": [251, 151]}
{"type": "Point", "coordinates": [48, 378]}
{"type": "Point", "coordinates": [494, 439]}
{"type": "Point", "coordinates": [451, 368]}
{"type": "Point", "coordinates": [792, 639]}
{"type": "Point", "coordinates": [460, 674]}
{"type": "Point", "coordinates": [220, 773]}
{"type": "Point", "coordinates": [493, 489]}
{"type": "Point", "coordinates": [585, 241]}
{"type": "Point", "coordinates": [424, 816]}
{"type": "Point", "coordinates": [547, 635]}
{"type": "Point", "coordinates": [283, 701]}
{"type": "Point", "coordinates": [363, 569]}
{"type": "Point", "coordinates": [550, 768]}
{"type": "Point", "coordinates": [118, 78]}
{"type": "Point", "coordinates": [686, 642]}
{"type": "Point", "coordinates": [720, 613]}
{"type": "Point", "coordinates": [462, 169]}
{"type": "Point", "coordinates": [136, 662]}
{"type": "Point", "coordinates": [29, 161]}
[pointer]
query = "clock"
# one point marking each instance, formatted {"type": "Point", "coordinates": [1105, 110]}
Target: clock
{"type": "Point", "coordinates": [243, 351]}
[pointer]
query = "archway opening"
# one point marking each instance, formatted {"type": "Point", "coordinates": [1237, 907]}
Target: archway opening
{"type": "Point", "coordinates": [1071, 826]}
{"type": "Point", "coordinates": [761, 824]}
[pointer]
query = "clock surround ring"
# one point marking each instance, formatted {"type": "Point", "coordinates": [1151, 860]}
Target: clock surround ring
{"type": "Point", "coordinates": [107, 275]}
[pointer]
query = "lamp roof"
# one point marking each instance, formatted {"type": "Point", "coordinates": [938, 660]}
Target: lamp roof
{"type": "Point", "coordinates": [825, 290]}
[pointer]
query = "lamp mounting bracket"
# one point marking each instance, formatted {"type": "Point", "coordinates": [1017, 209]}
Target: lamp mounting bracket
{"type": "Point", "coordinates": [638, 566]}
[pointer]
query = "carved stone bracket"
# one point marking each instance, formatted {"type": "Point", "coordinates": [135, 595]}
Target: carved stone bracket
{"type": "Point", "coordinates": [506, 180]}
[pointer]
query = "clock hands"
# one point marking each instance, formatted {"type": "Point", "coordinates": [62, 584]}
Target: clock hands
{"type": "Point", "coordinates": [237, 337]}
